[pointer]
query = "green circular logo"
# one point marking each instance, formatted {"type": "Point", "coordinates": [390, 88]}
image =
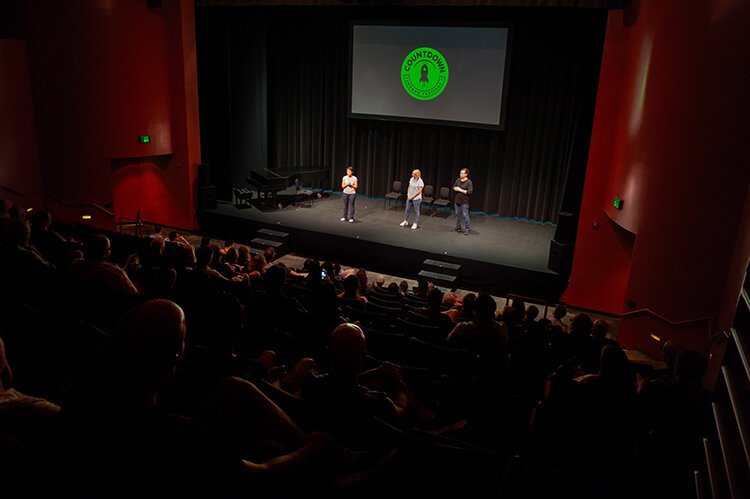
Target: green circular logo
{"type": "Point", "coordinates": [424, 73]}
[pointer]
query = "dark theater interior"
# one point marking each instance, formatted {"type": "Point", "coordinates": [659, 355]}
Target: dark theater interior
{"type": "Point", "coordinates": [538, 287]}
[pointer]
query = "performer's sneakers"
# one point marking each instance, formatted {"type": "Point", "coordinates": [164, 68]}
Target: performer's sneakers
{"type": "Point", "coordinates": [343, 219]}
{"type": "Point", "coordinates": [404, 223]}
{"type": "Point", "coordinates": [351, 220]}
{"type": "Point", "coordinates": [458, 229]}
{"type": "Point", "coordinates": [414, 225]}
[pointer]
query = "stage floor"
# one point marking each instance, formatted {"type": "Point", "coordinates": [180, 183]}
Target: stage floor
{"type": "Point", "coordinates": [495, 256]}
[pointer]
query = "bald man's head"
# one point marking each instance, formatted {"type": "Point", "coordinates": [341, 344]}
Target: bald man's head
{"type": "Point", "coordinates": [150, 337]}
{"type": "Point", "coordinates": [347, 350]}
{"type": "Point", "coordinates": [98, 248]}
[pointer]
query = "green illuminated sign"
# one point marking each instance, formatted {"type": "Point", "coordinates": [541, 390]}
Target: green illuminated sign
{"type": "Point", "coordinates": [144, 139]}
{"type": "Point", "coordinates": [617, 203]}
{"type": "Point", "coordinates": [424, 73]}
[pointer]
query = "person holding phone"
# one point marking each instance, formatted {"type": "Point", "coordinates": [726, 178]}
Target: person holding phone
{"type": "Point", "coordinates": [349, 185]}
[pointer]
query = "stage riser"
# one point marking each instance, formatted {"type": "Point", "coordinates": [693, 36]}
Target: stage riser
{"type": "Point", "coordinates": [393, 260]}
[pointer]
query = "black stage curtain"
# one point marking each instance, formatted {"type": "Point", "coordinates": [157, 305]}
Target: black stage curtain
{"type": "Point", "coordinates": [531, 170]}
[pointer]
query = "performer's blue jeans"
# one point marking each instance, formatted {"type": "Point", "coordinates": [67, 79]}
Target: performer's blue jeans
{"type": "Point", "coordinates": [348, 205]}
{"type": "Point", "coordinates": [462, 212]}
{"type": "Point", "coordinates": [416, 203]}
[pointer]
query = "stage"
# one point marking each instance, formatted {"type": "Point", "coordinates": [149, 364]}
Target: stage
{"type": "Point", "coordinates": [499, 255]}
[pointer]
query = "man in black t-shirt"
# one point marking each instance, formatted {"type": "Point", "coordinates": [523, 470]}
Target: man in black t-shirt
{"type": "Point", "coordinates": [463, 189]}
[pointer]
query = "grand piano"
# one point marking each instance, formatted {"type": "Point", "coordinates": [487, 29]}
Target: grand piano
{"type": "Point", "coordinates": [273, 186]}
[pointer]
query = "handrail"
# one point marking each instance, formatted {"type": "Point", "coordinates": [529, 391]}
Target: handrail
{"type": "Point", "coordinates": [698, 484]}
{"type": "Point", "coordinates": [713, 479]}
{"type": "Point", "coordinates": [60, 200]}
{"type": "Point", "coordinates": [15, 192]}
{"type": "Point", "coordinates": [725, 451]}
{"type": "Point", "coordinates": [742, 351]}
{"type": "Point", "coordinates": [737, 410]}
{"type": "Point", "coordinates": [530, 299]}
{"type": "Point", "coordinates": [646, 311]}
{"type": "Point", "coordinates": [540, 301]}
{"type": "Point", "coordinates": [78, 205]}
{"type": "Point", "coordinates": [135, 221]}
{"type": "Point", "coordinates": [708, 319]}
{"type": "Point", "coordinates": [634, 313]}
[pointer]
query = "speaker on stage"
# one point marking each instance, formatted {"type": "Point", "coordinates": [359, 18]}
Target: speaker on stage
{"type": "Point", "coordinates": [566, 228]}
{"type": "Point", "coordinates": [207, 197]}
{"type": "Point", "coordinates": [204, 175]}
{"type": "Point", "coordinates": [560, 257]}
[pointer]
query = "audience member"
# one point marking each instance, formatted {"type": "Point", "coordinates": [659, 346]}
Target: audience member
{"type": "Point", "coordinates": [347, 396]}
{"type": "Point", "coordinates": [17, 213]}
{"type": "Point", "coordinates": [558, 318]}
{"type": "Point", "coordinates": [176, 238]}
{"type": "Point", "coordinates": [379, 283]}
{"type": "Point", "coordinates": [244, 258]}
{"type": "Point", "coordinates": [614, 377]}
{"type": "Point", "coordinates": [257, 265]}
{"type": "Point", "coordinates": [118, 442]}
{"type": "Point", "coordinates": [674, 418]}
{"type": "Point", "coordinates": [670, 350]}
{"type": "Point", "coordinates": [578, 345]}
{"type": "Point", "coordinates": [228, 244]}
{"type": "Point", "coordinates": [433, 312]}
{"type": "Point", "coordinates": [483, 334]}
{"type": "Point", "coordinates": [25, 272]}
{"type": "Point", "coordinates": [532, 328]}
{"type": "Point", "coordinates": [362, 277]}
{"type": "Point", "coordinates": [395, 289]}
{"type": "Point", "coordinates": [156, 234]}
{"type": "Point", "coordinates": [351, 295]}
{"type": "Point", "coordinates": [465, 310]}
{"type": "Point", "coordinates": [422, 288]}
{"type": "Point", "coordinates": [269, 254]}
{"type": "Point", "coordinates": [49, 243]}
{"type": "Point", "coordinates": [204, 257]}
{"type": "Point", "coordinates": [96, 271]}
{"type": "Point", "coordinates": [31, 420]}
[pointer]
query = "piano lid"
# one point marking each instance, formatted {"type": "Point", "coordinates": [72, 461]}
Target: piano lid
{"type": "Point", "coordinates": [270, 182]}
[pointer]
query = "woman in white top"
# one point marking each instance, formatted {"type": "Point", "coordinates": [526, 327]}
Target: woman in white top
{"type": "Point", "coordinates": [413, 198]}
{"type": "Point", "coordinates": [349, 185]}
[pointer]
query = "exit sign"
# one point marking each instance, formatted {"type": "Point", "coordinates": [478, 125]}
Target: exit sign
{"type": "Point", "coordinates": [617, 203]}
{"type": "Point", "coordinates": [144, 139]}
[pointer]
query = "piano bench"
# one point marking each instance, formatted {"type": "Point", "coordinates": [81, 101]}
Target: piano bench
{"type": "Point", "coordinates": [242, 195]}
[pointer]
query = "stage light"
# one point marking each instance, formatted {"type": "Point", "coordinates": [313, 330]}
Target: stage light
{"type": "Point", "coordinates": [655, 337]}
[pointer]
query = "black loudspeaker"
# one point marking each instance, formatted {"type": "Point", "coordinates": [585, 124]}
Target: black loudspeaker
{"type": "Point", "coordinates": [560, 257]}
{"type": "Point", "coordinates": [204, 175]}
{"type": "Point", "coordinates": [566, 231]}
{"type": "Point", "coordinates": [207, 197]}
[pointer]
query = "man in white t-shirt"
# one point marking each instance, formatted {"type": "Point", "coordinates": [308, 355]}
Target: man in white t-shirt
{"type": "Point", "coordinates": [413, 198]}
{"type": "Point", "coordinates": [349, 185]}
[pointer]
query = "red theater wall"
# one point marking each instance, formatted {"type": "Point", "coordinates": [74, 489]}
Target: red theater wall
{"type": "Point", "coordinates": [670, 141]}
{"type": "Point", "coordinates": [19, 164]}
{"type": "Point", "coordinates": [103, 74]}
